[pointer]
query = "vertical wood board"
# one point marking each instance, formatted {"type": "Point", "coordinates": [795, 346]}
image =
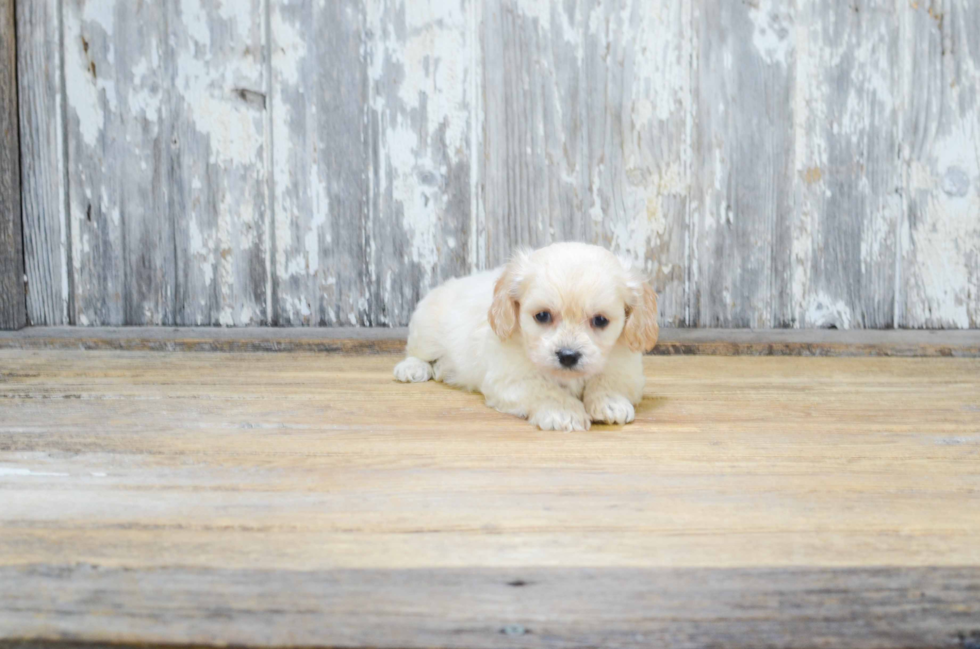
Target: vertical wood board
{"type": "Point", "coordinates": [940, 263]}
{"type": "Point", "coordinates": [321, 162]}
{"type": "Point", "coordinates": [42, 146]}
{"type": "Point", "coordinates": [119, 141]}
{"type": "Point", "coordinates": [216, 161]}
{"type": "Point", "coordinates": [587, 114]}
{"type": "Point", "coordinates": [743, 151]}
{"type": "Point", "coordinates": [847, 173]}
{"type": "Point", "coordinates": [13, 308]}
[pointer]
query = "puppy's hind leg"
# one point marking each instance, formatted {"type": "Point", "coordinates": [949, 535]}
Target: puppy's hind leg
{"type": "Point", "coordinates": [413, 370]}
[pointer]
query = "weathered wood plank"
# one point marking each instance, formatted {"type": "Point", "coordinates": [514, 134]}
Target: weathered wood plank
{"type": "Point", "coordinates": [13, 308]}
{"type": "Point", "coordinates": [297, 499]}
{"type": "Point", "coordinates": [848, 177]}
{"type": "Point", "coordinates": [587, 107]}
{"type": "Point", "coordinates": [769, 165]}
{"type": "Point", "coordinates": [421, 57]}
{"type": "Point", "coordinates": [42, 144]}
{"type": "Point", "coordinates": [216, 161]}
{"type": "Point", "coordinates": [322, 163]}
{"type": "Point", "coordinates": [675, 341]}
{"type": "Point", "coordinates": [167, 163]}
{"type": "Point", "coordinates": [372, 152]}
{"type": "Point", "coordinates": [117, 73]}
{"type": "Point", "coordinates": [878, 608]}
{"type": "Point", "coordinates": [743, 151]}
{"type": "Point", "coordinates": [941, 145]}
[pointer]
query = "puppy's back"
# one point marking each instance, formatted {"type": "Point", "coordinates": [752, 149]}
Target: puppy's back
{"type": "Point", "coordinates": [450, 324]}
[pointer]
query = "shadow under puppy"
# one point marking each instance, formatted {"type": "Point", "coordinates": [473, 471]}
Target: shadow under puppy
{"type": "Point", "coordinates": [556, 336]}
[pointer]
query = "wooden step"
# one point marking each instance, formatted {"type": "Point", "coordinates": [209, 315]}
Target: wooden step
{"type": "Point", "coordinates": [298, 499]}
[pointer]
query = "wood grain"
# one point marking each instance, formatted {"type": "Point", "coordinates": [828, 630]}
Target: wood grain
{"type": "Point", "coordinates": [372, 136]}
{"type": "Point", "coordinates": [216, 162]}
{"type": "Point", "coordinates": [941, 147]}
{"type": "Point", "coordinates": [743, 161]}
{"type": "Point", "coordinates": [324, 164]}
{"type": "Point", "coordinates": [44, 186]}
{"type": "Point", "coordinates": [13, 310]}
{"type": "Point", "coordinates": [120, 181]}
{"type": "Point", "coordinates": [842, 268]}
{"type": "Point", "coordinates": [672, 342]}
{"type": "Point", "coordinates": [673, 608]}
{"type": "Point", "coordinates": [422, 57]}
{"type": "Point", "coordinates": [586, 112]}
{"type": "Point", "coordinates": [298, 499]}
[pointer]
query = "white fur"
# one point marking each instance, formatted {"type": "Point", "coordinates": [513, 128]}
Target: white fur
{"type": "Point", "coordinates": [452, 337]}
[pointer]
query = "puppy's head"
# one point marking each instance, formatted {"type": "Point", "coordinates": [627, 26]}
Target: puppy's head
{"type": "Point", "coordinates": [571, 303]}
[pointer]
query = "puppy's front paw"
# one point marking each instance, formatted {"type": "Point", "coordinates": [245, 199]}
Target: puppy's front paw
{"type": "Point", "coordinates": [413, 370]}
{"type": "Point", "coordinates": [610, 408]}
{"type": "Point", "coordinates": [559, 418]}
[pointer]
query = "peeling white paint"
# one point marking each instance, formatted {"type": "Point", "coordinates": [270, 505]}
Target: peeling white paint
{"type": "Point", "coordinates": [810, 151]}
{"type": "Point", "coordinates": [226, 319]}
{"type": "Point", "coordinates": [826, 311]}
{"type": "Point", "coordinates": [625, 173]}
{"type": "Point", "coordinates": [146, 96]}
{"type": "Point", "coordinates": [434, 61]}
{"type": "Point", "coordinates": [946, 232]}
{"type": "Point", "coordinates": [206, 84]}
{"type": "Point", "coordinates": [646, 225]}
{"type": "Point", "coordinates": [201, 251]}
{"type": "Point", "coordinates": [660, 66]}
{"type": "Point", "coordinates": [196, 21]}
{"type": "Point", "coordinates": [83, 91]}
{"type": "Point", "coordinates": [772, 25]}
{"type": "Point", "coordinates": [474, 98]}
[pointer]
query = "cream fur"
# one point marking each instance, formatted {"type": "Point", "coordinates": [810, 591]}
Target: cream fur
{"type": "Point", "coordinates": [480, 333]}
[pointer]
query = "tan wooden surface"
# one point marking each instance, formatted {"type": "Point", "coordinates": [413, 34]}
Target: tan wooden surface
{"type": "Point", "coordinates": [180, 497]}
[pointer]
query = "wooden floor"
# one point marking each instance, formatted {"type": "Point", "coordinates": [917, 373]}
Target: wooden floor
{"type": "Point", "coordinates": [297, 499]}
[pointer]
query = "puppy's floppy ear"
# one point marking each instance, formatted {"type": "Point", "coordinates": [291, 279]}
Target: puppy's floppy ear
{"type": "Point", "coordinates": [505, 308]}
{"type": "Point", "coordinates": [641, 330]}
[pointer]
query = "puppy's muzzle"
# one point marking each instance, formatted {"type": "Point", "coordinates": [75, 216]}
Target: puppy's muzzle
{"type": "Point", "coordinates": [567, 357]}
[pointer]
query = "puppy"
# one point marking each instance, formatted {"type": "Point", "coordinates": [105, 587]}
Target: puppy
{"type": "Point", "coordinates": [555, 336]}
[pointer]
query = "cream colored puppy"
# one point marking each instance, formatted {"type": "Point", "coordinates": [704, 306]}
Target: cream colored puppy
{"type": "Point", "coordinates": [555, 336]}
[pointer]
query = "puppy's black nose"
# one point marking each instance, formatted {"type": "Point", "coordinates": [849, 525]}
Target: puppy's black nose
{"type": "Point", "coordinates": [567, 357]}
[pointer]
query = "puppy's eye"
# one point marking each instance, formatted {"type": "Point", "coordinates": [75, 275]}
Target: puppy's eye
{"type": "Point", "coordinates": [543, 317]}
{"type": "Point", "coordinates": [600, 321]}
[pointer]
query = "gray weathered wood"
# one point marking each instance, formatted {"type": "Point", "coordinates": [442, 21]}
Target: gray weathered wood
{"type": "Point", "coordinates": [13, 309]}
{"type": "Point", "coordinates": [309, 163]}
{"type": "Point", "coordinates": [941, 146]}
{"type": "Point", "coordinates": [587, 106]}
{"type": "Point", "coordinates": [743, 151]}
{"type": "Point", "coordinates": [42, 144]}
{"type": "Point", "coordinates": [117, 72]}
{"type": "Point", "coordinates": [216, 164]}
{"type": "Point", "coordinates": [877, 608]}
{"type": "Point", "coordinates": [372, 156]}
{"type": "Point", "coordinates": [322, 163]}
{"type": "Point", "coordinates": [167, 162]}
{"type": "Point", "coordinates": [422, 58]}
{"type": "Point", "coordinates": [847, 174]}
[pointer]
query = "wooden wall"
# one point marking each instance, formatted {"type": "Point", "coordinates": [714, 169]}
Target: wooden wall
{"type": "Point", "coordinates": [13, 313]}
{"type": "Point", "coordinates": [300, 162]}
